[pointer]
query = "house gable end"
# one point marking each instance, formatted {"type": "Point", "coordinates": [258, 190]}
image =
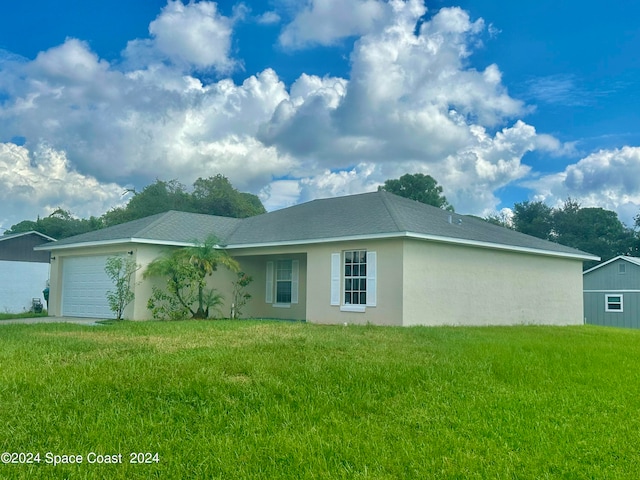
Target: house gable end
{"type": "Point", "coordinates": [617, 274]}
{"type": "Point", "coordinates": [20, 248]}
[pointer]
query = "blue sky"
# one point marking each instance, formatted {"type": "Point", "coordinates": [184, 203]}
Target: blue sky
{"type": "Point", "coordinates": [293, 100]}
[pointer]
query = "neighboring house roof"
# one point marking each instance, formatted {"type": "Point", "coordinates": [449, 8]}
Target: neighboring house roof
{"type": "Point", "coordinates": [19, 247]}
{"type": "Point", "coordinates": [22, 234]}
{"type": "Point", "coordinates": [368, 215]}
{"type": "Point", "coordinates": [633, 260]}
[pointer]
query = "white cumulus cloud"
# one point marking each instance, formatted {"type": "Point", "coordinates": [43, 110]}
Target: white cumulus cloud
{"type": "Point", "coordinates": [325, 22]}
{"type": "Point", "coordinates": [608, 178]}
{"type": "Point", "coordinates": [40, 183]}
{"type": "Point", "coordinates": [195, 35]}
{"type": "Point", "coordinates": [412, 102]}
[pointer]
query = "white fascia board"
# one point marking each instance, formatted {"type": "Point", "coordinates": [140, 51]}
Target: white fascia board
{"type": "Point", "coordinates": [606, 263]}
{"type": "Point", "coordinates": [81, 245]}
{"type": "Point", "coordinates": [313, 241]}
{"type": "Point", "coordinates": [420, 236]}
{"type": "Point", "coordinates": [500, 246]}
{"type": "Point", "coordinates": [168, 243]}
{"type": "Point", "coordinates": [612, 292]}
{"type": "Point", "coordinates": [22, 234]}
{"type": "Point", "coordinates": [101, 243]}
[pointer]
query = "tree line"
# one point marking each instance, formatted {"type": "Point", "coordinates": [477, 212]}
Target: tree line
{"type": "Point", "coordinates": [212, 195]}
{"type": "Point", "coordinates": [590, 229]}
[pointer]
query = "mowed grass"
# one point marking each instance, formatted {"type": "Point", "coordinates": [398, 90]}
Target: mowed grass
{"type": "Point", "coordinates": [11, 316]}
{"type": "Point", "coordinates": [291, 400]}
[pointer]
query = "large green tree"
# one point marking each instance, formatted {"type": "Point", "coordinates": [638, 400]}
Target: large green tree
{"type": "Point", "coordinates": [216, 196]}
{"type": "Point", "coordinates": [533, 218]}
{"type": "Point", "coordinates": [419, 187]}
{"type": "Point", "coordinates": [212, 196]}
{"type": "Point", "coordinates": [593, 230]}
{"type": "Point", "coordinates": [158, 197]}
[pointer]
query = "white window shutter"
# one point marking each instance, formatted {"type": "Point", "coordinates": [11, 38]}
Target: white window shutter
{"type": "Point", "coordinates": [335, 279]}
{"type": "Point", "coordinates": [294, 280]}
{"type": "Point", "coordinates": [371, 279]}
{"type": "Point", "coordinates": [268, 297]}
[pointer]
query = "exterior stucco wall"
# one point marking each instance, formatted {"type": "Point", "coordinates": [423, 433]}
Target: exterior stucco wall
{"type": "Point", "coordinates": [20, 282]}
{"type": "Point", "coordinates": [254, 263]}
{"type": "Point", "coordinates": [315, 282]}
{"type": "Point", "coordinates": [457, 285]}
{"type": "Point", "coordinates": [388, 309]}
{"type": "Point", "coordinates": [57, 265]}
{"type": "Point", "coordinates": [144, 255]}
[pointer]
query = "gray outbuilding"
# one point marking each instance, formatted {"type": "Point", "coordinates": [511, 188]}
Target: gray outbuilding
{"type": "Point", "coordinates": [24, 273]}
{"type": "Point", "coordinates": [612, 293]}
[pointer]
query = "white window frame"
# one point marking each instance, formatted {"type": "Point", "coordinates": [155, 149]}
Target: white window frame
{"type": "Point", "coordinates": [338, 281]}
{"type": "Point", "coordinates": [622, 268]}
{"type": "Point", "coordinates": [608, 303]}
{"type": "Point", "coordinates": [271, 283]}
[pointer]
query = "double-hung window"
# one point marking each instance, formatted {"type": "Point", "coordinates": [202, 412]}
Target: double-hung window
{"type": "Point", "coordinates": [353, 280]}
{"type": "Point", "coordinates": [355, 277]}
{"type": "Point", "coordinates": [282, 282]}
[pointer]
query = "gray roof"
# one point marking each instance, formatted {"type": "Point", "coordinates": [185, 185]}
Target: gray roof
{"type": "Point", "coordinates": [380, 214]}
{"type": "Point", "coordinates": [172, 228]}
{"type": "Point", "coordinates": [375, 214]}
{"type": "Point", "coordinates": [22, 234]}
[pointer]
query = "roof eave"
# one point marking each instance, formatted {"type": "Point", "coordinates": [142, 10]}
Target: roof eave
{"type": "Point", "coordinates": [22, 234]}
{"type": "Point", "coordinates": [502, 246]}
{"type": "Point", "coordinates": [619, 257]}
{"type": "Point", "coordinates": [120, 241]}
{"type": "Point", "coordinates": [420, 236]}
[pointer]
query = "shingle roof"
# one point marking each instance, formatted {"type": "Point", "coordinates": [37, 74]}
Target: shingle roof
{"type": "Point", "coordinates": [376, 214]}
{"type": "Point", "coordinates": [165, 228]}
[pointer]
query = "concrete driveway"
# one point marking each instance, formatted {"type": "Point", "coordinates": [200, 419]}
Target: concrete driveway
{"type": "Point", "coordinates": [77, 320]}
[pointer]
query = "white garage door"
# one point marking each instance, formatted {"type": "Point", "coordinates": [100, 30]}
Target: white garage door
{"type": "Point", "coordinates": [84, 287]}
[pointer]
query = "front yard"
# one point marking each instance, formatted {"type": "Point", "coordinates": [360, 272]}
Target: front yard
{"type": "Point", "coordinates": [251, 399]}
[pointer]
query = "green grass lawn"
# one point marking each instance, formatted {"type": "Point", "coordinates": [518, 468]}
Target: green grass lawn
{"type": "Point", "coordinates": [11, 316]}
{"type": "Point", "coordinates": [291, 400]}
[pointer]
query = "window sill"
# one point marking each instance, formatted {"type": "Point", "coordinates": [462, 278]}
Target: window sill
{"type": "Point", "coordinates": [281, 305]}
{"type": "Point", "coordinates": [353, 308]}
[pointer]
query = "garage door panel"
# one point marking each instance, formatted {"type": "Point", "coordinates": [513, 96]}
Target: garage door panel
{"type": "Point", "coordinates": [84, 287]}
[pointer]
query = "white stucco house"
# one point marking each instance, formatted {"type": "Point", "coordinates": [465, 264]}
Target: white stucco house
{"type": "Point", "coordinates": [24, 273]}
{"type": "Point", "coordinates": [369, 258]}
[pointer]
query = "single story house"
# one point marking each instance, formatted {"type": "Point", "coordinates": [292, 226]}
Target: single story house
{"type": "Point", "coordinates": [24, 273]}
{"type": "Point", "coordinates": [369, 258]}
{"type": "Point", "coordinates": [612, 293]}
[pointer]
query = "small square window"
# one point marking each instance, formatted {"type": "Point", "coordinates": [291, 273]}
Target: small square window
{"type": "Point", "coordinates": [622, 268]}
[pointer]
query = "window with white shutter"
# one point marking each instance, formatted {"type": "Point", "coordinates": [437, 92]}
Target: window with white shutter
{"type": "Point", "coordinates": [353, 280]}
